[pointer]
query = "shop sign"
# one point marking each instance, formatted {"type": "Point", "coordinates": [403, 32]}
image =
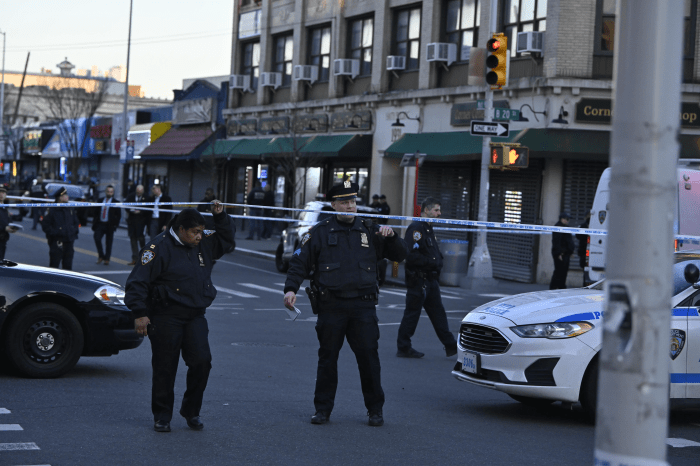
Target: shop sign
{"type": "Point", "coordinates": [463, 114]}
{"type": "Point", "coordinates": [31, 144]}
{"type": "Point", "coordinates": [187, 112]}
{"type": "Point", "coordinates": [279, 125]}
{"type": "Point", "coordinates": [311, 123]}
{"type": "Point", "coordinates": [600, 111]}
{"type": "Point", "coordinates": [246, 127]}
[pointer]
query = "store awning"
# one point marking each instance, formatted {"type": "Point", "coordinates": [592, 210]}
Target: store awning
{"type": "Point", "coordinates": [357, 145]}
{"type": "Point", "coordinates": [224, 149]}
{"type": "Point", "coordinates": [562, 140]}
{"type": "Point", "coordinates": [180, 143]}
{"type": "Point", "coordinates": [439, 147]}
{"type": "Point", "coordinates": [285, 145]}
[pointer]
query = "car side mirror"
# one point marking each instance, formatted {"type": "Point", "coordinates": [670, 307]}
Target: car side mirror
{"type": "Point", "coordinates": [691, 275]}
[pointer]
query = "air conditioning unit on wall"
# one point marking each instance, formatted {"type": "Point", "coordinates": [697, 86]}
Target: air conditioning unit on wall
{"type": "Point", "coordinates": [442, 51]}
{"type": "Point", "coordinates": [273, 80]}
{"type": "Point", "coordinates": [306, 73]}
{"type": "Point", "coordinates": [530, 41]}
{"type": "Point", "coordinates": [240, 81]}
{"type": "Point", "coordinates": [346, 67]}
{"type": "Point", "coordinates": [395, 62]}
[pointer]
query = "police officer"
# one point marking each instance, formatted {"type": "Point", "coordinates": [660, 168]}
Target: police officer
{"type": "Point", "coordinates": [61, 226]}
{"type": "Point", "coordinates": [343, 251]}
{"type": "Point", "coordinates": [423, 266]}
{"type": "Point", "coordinates": [168, 291]}
{"type": "Point", "coordinates": [562, 249]}
{"type": "Point", "coordinates": [5, 228]}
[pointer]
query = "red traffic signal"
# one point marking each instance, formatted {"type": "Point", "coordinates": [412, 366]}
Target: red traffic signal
{"type": "Point", "coordinates": [497, 61]}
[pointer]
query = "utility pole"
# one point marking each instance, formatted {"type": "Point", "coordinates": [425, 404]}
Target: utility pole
{"type": "Point", "coordinates": [633, 387]}
{"type": "Point", "coordinates": [125, 125]}
{"type": "Point", "coordinates": [480, 272]}
{"type": "Point", "coordinates": [3, 137]}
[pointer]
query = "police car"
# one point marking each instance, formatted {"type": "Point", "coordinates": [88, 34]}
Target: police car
{"type": "Point", "coordinates": [542, 347]}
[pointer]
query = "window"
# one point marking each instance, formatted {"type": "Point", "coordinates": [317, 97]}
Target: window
{"type": "Point", "coordinates": [407, 36]}
{"type": "Point", "coordinates": [361, 33]}
{"type": "Point", "coordinates": [320, 52]}
{"type": "Point", "coordinates": [463, 25]}
{"type": "Point", "coordinates": [523, 16]}
{"type": "Point", "coordinates": [284, 51]}
{"type": "Point", "coordinates": [251, 62]}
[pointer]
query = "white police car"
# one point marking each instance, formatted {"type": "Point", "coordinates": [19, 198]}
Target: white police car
{"type": "Point", "coordinates": [543, 346]}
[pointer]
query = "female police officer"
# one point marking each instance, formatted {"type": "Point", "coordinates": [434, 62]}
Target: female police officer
{"type": "Point", "coordinates": [168, 292]}
{"type": "Point", "coordinates": [343, 252]}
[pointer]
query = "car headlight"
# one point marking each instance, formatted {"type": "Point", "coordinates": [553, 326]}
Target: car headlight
{"type": "Point", "coordinates": [110, 295]}
{"type": "Point", "coordinates": [553, 330]}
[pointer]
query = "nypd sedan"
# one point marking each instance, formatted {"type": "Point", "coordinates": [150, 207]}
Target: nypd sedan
{"type": "Point", "coordinates": [542, 347]}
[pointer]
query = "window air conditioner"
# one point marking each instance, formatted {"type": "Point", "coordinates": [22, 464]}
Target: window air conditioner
{"type": "Point", "coordinates": [346, 67]}
{"type": "Point", "coordinates": [239, 81]}
{"type": "Point", "coordinates": [442, 51]}
{"type": "Point", "coordinates": [395, 62]}
{"type": "Point", "coordinates": [530, 41]}
{"type": "Point", "coordinates": [271, 79]}
{"type": "Point", "coordinates": [306, 73]}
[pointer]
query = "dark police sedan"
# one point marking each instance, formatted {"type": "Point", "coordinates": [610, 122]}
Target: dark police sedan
{"type": "Point", "coordinates": [50, 317]}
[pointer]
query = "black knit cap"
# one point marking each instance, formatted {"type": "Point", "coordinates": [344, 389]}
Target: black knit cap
{"type": "Point", "coordinates": [343, 191]}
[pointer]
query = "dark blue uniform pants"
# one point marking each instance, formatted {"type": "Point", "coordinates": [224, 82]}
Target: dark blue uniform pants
{"type": "Point", "coordinates": [3, 245]}
{"type": "Point", "coordinates": [561, 270]}
{"type": "Point", "coordinates": [425, 294]}
{"type": "Point", "coordinates": [102, 229]}
{"type": "Point", "coordinates": [171, 335]}
{"type": "Point", "coordinates": [359, 324]}
{"type": "Point", "coordinates": [61, 251]}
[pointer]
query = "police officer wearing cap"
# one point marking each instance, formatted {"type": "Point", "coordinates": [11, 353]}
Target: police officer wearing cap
{"type": "Point", "coordinates": [5, 228]}
{"type": "Point", "coordinates": [61, 226]}
{"type": "Point", "coordinates": [168, 292]}
{"type": "Point", "coordinates": [342, 251]}
{"type": "Point", "coordinates": [562, 249]}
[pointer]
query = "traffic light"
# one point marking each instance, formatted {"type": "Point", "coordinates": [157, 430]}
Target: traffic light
{"type": "Point", "coordinates": [506, 156]}
{"type": "Point", "coordinates": [497, 60]}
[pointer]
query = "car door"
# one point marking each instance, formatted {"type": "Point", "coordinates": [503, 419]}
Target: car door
{"type": "Point", "coordinates": [678, 344]}
{"type": "Point", "coordinates": [692, 347]}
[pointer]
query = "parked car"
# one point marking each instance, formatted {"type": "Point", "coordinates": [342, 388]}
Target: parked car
{"type": "Point", "coordinates": [53, 317]}
{"type": "Point", "coordinates": [543, 347]}
{"type": "Point", "coordinates": [291, 236]}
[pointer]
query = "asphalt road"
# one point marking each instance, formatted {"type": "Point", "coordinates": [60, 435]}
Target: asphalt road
{"type": "Point", "coordinates": [260, 394]}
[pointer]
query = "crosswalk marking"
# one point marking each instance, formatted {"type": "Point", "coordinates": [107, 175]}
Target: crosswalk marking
{"type": "Point", "coordinates": [398, 293]}
{"type": "Point", "coordinates": [10, 427]}
{"type": "Point", "coordinates": [4, 411]}
{"type": "Point", "coordinates": [263, 288]}
{"type": "Point", "coordinates": [681, 442]}
{"type": "Point", "coordinates": [18, 446]}
{"type": "Point", "coordinates": [240, 294]}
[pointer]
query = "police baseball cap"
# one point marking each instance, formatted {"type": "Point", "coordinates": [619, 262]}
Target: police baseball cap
{"type": "Point", "coordinates": [376, 196]}
{"type": "Point", "coordinates": [565, 215]}
{"type": "Point", "coordinates": [343, 191]}
{"type": "Point", "coordinates": [3, 189]}
{"type": "Point", "coordinates": [61, 191]}
{"type": "Point", "coordinates": [383, 196]}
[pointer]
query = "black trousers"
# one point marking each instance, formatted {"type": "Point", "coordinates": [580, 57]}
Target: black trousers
{"type": "Point", "coordinates": [171, 335]}
{"type": "Point", "coordinates": [61, 252]}
{"type": "Point", "coordinates": [357, 321]}
{"type": "Point", "coordinates": [561, 269]}
{"type": "Point", "coordinates": [424, 294]}
{"type": "Point", "coordinates": [103, 229]}
{"type": "Point", "coordinates": [137, 226]}
{"type": "Point", "coordinates": [3, 245]}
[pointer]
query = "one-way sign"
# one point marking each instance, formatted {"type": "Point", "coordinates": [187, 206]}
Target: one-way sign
{"type": "Point", "coordinates": [485, 128]}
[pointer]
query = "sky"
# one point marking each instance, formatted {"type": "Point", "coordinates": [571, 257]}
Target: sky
{"type": "Point", "coordinates": [170, 40]}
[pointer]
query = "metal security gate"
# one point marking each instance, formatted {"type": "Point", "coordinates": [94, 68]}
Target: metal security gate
{"type": "Point", "coordinates": [452, 185]}
{"type": "Point", "coordinates": [514, 197]}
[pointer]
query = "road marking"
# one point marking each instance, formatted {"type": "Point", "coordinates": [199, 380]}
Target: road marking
{"type": "Point", "coordinates": [263, 288]}
{"type": "Point", "coordinates": [681, 442]}
{"type": "Point", "coordinates": [251, 251]}
{"type": "Point", "coordinates": [458, 311]}
{"type": "Point", "coordinates": [76, 249]}
{"type": "Point", "coordinates": [390, 323]}
{"type": "Point", "coordinates": [492, 295]}
{"type": "Point", "coordinates": [18, 446]}
{"type": "Point", "coordinates": [107, 272]}
{"type": "Point", "coordinates": [10, 427]}
{"type": "Point", "coordinates": [398, 293]}
{"type": "Point", "coordinates": [240, 294]}
{"type": "Point", "coordinates": [4, 411]}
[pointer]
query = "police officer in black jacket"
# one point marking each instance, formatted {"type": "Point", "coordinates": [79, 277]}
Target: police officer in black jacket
{"type": "Point", "coordinates": [61, 226]}
{"type": "Point", "coordinates": [562, 249]}
{"type": "Point", "coordinates": [5, 228]}
{"type": "Point", "coordinates": [423, 266]}
{"type": "Point", "coordinates": [343, 251]}
{"type": "Point", "coordinates": [168, 291]}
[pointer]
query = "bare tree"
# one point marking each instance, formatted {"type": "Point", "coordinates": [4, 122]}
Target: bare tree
{"type": "Point", "coordinates": [72, 102]}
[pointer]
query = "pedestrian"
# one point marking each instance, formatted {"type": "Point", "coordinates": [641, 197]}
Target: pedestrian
{"type": "Point", "coordinates": [62, 227]}
{"type": "Point", "coordinates": [562, 249]}
{"type": "Point", "coordinates": [384, 209]}
{"type": "Point", "coordinates": [423, 266]}
{"type": "Point", "coordinates": [205, 207]}
{"type": "Point", "coordinates": [5, 228]}
{"type": "Point", "coordinates": [137, 219]}
{"type": "Point", "coordinates": [343, 251]}
{"type": "Point", "coordinates": [375, 201]}
{"type": "Point", "coordinates": [37, 192]}
{"type": "Point", "coordinates": [130, 187]}
{"type": "Point", "coordinates": [159, 217]}
{"type": "Point", "coordinates": [256, 198]}
{"type": "Point", "coordinates": [268, 201]}
{"type": "Point", "coordinates": [582, 248]}
{"type": "Point", "coordinates": [168, 292]}
{"type": "Point", "coordinates": [105, 221]}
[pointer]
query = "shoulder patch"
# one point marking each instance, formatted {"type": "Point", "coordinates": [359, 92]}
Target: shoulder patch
{"type": "Point", "coordinates": [305, 238]}
{"type": "Point", "coordinates": [209, 232]}
{"type": "Point", "coordinates": [147, 256]}
{"type": "Point", "coordinates": [416, 236]}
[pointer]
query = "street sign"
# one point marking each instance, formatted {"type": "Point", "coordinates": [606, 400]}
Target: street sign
{"type": "Point", "coordinates": [493, 129]}
{"type": "Point", "coordinates": [506, 114]}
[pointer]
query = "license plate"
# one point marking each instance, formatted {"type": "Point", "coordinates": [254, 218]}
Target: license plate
{"type": "Point", "coordinates": [470, 363]}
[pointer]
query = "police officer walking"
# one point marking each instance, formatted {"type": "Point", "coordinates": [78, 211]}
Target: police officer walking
{"type": "Point", "coordinates": [5, 228]}
{"type": "Point", "coordinates": [343, 251]}
{"type": "Point", "coordinates": [423, 266]}
{"type": "Point", "coordinates": [562, 249]}
{"type": "Point", "coordinates": [168, 291]}
{"type": "Point", "coordinates": [61, 226]}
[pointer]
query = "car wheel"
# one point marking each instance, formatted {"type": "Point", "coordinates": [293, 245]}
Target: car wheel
{"type": "Point", "coordinates": [44, 341]}
{"type": "Point", "coordinates": [530, 401]}
{"type": "Point", "coordinates": [589, 390]}
{"type": "Point", "coordinates": [282, 266]}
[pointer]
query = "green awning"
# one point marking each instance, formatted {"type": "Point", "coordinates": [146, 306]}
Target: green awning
{"type": "Point", "coordinates": [439, 147]}
{"type": "Point", "coordinates": [562, 140]}
{"type": "Point", "coordinates": [284, 145]}
{"type": "Point", "coordinates": [240, 148]}
{"type": "Point", "coordinates": [356, 145]}
{"type": "Point", "coordinates": [222, 148]}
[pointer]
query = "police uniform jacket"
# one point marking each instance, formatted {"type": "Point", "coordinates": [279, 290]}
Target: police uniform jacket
{"type": "Point", "coordinates": [424, 255]}
{"type": "Point", "coordinates": [4, 221]}
{"type": "Point", "coordinates": [562, 243]}
{"type": "Point", "coordinates": [173, 279]}
{"type": "Point", "coordinates": [344, 259]}
{"type": "Point", "coordinates": [61, 224]}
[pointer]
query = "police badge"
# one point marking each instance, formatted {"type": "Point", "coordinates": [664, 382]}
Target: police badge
{"type": "Point", "coordinates": [601, 216]}
{"type": "Point", "coordinates": [147, 256]}
{"type": "Point", "coordinates": [347, 184]}
{"type": "Point", "coordinates": [304, 239]}
{"type": "Point", "coordinates": [363, 237]}
{"type": "Point", "coordinates": [677, 342]}
{"type": "Point", "coordinates": [208, 232]}
{"type": "Point", "coordinates": [416, 236]}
